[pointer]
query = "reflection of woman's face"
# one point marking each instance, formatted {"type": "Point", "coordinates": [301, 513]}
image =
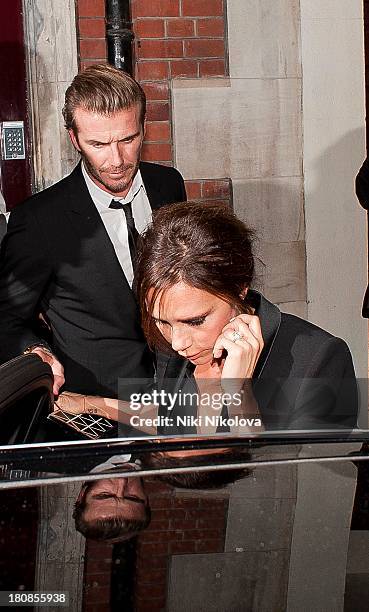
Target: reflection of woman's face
{"type": "Point", "coordinates": [191, 320]}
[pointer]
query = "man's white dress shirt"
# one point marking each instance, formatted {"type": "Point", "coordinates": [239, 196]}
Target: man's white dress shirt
{"type": "Point", "coordinates": [115, 220]}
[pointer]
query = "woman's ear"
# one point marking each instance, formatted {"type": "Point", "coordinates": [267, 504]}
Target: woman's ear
{"type": "Point", "coordinates": [243, 293]}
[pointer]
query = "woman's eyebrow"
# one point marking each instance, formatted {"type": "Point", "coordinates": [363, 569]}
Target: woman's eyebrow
{"type": "Point", "coordinates": [187, 319]}
{"type": "Point", "coordinates": [195, 317]}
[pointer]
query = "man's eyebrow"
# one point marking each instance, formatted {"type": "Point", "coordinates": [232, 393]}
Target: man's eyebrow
{"type": "Point", "coordinates": [131, 135]}
{"type": "Point", "coordinates": [93, 141]}
{"type": "Point", "coordinates": [133, 498]}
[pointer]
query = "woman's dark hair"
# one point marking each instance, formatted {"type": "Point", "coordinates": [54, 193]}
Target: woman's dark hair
{"type": "Point", "coordinates": [201, 244]}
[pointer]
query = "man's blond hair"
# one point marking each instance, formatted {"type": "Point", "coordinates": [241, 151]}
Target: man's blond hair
{"type": "Point", "coordinates": [103, 90]}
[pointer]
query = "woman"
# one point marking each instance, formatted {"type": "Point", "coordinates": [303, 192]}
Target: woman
{"type": "Point", "coordinates": [215, 338]}
{"type": "Point", "coordinates": [193, 283]}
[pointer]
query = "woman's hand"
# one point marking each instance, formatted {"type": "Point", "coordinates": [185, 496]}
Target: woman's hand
{"type": "Point", "coordinates": [242, 339]}
{"type": "Point", "coordinates": [75, 403]}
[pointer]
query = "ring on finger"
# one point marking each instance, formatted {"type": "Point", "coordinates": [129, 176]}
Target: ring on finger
{"type": "Point", "coordinates": [236, 336]}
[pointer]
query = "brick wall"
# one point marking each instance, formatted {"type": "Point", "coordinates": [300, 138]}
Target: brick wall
{"type": "Point", "coordinates": [180, 525]}
{"type": "Point", "coordinates": [174, 38]}
{"type": "Point", "coordinates": [18, 538]}
{"type": "Point", "coordinates": [91, 32]}
{"type": "Point", "coordinates": [97, 575]}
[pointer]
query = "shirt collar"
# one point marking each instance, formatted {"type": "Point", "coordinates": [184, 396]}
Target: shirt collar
{"type": "Point", "coordinates": [270, 321]}
{"type": "Point", "coordinates": [102, 198]}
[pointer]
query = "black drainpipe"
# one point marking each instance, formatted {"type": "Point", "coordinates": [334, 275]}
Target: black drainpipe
{"type": "Point", "coordinates": [119, 34]}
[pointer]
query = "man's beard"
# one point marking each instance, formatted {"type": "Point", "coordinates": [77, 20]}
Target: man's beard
{"type": "Point", "coordinates": [122, 185]}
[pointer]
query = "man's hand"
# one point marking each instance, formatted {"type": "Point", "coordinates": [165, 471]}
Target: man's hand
{"type": "Point", "coordinates": [55, 365]}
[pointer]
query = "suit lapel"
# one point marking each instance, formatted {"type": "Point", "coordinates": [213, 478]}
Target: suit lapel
{"type": "Point", "coordinates": [152, 185]}
{"type": "Point", "coordinates": [87, 223]}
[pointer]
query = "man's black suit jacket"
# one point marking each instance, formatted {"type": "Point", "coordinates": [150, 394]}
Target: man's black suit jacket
{"type": "Point", "coordinates": [57, 258]}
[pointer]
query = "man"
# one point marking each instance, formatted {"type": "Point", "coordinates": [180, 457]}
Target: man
{"type": "Point", "coordinates": [112, 509]}
{"type": "Point", "coordinates": [70, 255]}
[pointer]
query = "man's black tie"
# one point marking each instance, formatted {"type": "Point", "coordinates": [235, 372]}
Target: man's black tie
{"type": "Point", "coordinates": [132, 232]}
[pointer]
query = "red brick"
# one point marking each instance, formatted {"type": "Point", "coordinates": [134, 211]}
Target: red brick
{"type": "Point", "coordinates": [193, 190]}
{"type": "Point", "coordinates": [148, 575]}
{"type": "Point", "coordinates": [180, 28]}
{"type": "Point", "coordinates": [148, 71]}
{"type": "Point", "coordinates": [197, 8]}
{"type": "Point", "coordinates": [215, 523]}
{"type": "Point", "coordinates": [203, 513]}
{"type": "Point", "coordinates": [174, 513]}
{"type": "Point", "coordinates": [99, 579]}
{"type": "Point", "coordinates": [204, 534]}
{"type": "Point", "coordinates": [100, 554]}
{"type": "Point", "coordinates": [210, 68]}
{"type": "Point", "coordinates": [149, 591]}
{"type": "Point", "coordinates": [215, 189]}
{"type": "Point", "coordinates": [155, 8]}
{"type": "Point", "coordinates": [92, 48]}
{"type": "Point", "coordinates": [160, 48]}
{"type": "Point", "coordinates": [156, 604]}
{"type": "Point", "coordinates": [187, 502]}
{"type": "Point", "coordinates": [210, 27]}
{"type": "Point", "coordinates": [91, 607]}
{"type": "Point", "coordinates": [156, 523]}
{"type": "Point", "coordinates": [183, 68]}
{"type": "Point", "coordinates": [156, 91]}
{"type": "Point", "coordinates": [213, 502]}
{"type": "Point", "coordinates": [91, 8]}
{"type": "Point", "coordinates": [156, 487]}
{"type": "Point", "coordinates": [97, 567]}
{"type": "Point", "coordinates": [158, 548]}
{"type": "Point", "coordinates": [99, 593]}
{"type": "Point", "coordinates": [178, 548]}
{"type": "Point", "coordinates": [218, 202]}
{"type": "Point", "coordinates": [91, 28]}
{"type": "Point", "coordinates": [161, 501]}
{"type": "Point", "coordinates": [183, 524]}
{"type": "Point", "coordinates": [207, 546]}
{"type": "Point", "coordinates": [204, 47]}
{"type": "Point", "coordinates": [86, 63]}
{"type": "Point", "coordinates": [149, 28]}
{"type": "Point", "coordinates": [99, 547]}
{"type": "Point", "coordinates": [157, 131]}
{"type": "Point", "coordinates": [158, 536]}
{"type": "Point", "coordinates": [157, 111]}
{"type": "Point", "coordinates": [157, 152]}
{"type": "Point", "coordinates": [161, 561]}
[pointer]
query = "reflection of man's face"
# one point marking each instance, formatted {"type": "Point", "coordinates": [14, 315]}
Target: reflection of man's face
{"type": "Point", "coordinates": [111, 497]}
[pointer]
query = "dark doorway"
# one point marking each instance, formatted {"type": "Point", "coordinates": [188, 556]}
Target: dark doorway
{"type": "Point", "coordinates": [15, 174]}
